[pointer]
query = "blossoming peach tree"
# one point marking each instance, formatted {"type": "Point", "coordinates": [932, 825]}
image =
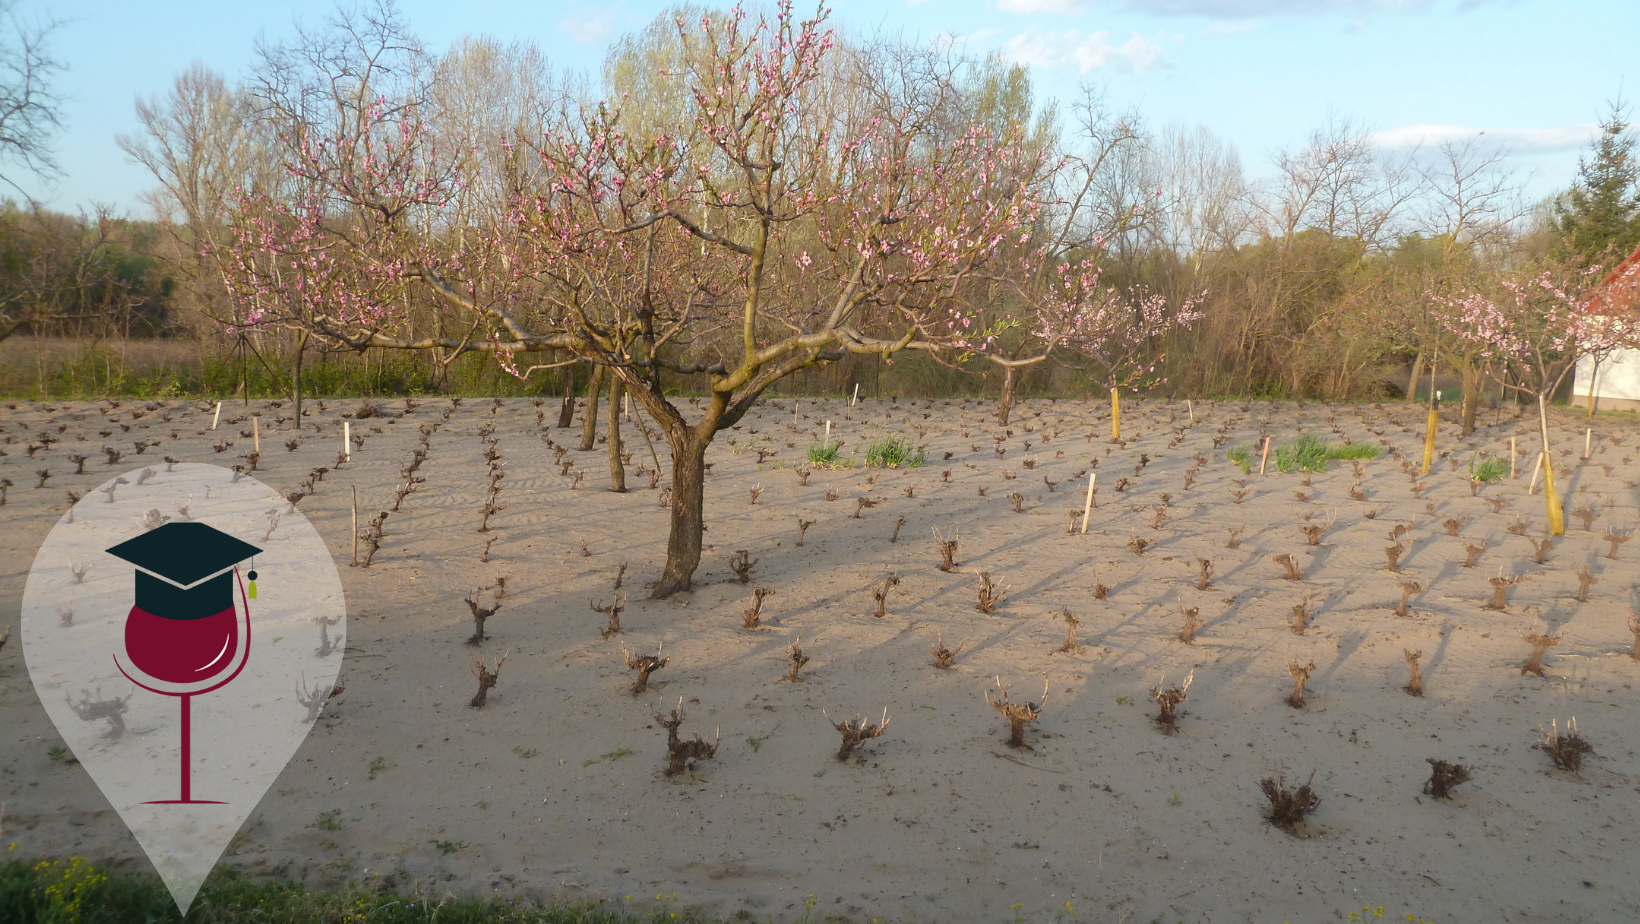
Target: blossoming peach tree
{"type": "Point", "coordinates": [1530, 336]}
{"type": "Point", "coordinates": [780, 222]}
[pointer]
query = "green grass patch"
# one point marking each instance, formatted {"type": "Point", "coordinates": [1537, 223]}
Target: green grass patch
{"type": "Point", "coordinates": [1308, 453]}
{"type": "Point", "coordinates": [76, 892]}
{"type": "Point", "coordinates": [893, 452]}
{"type": "Point", "coordinates": [1354, 451]}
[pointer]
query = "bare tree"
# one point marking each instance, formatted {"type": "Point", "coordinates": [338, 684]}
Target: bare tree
{"type": "Point", "coordinates": [30, 111]}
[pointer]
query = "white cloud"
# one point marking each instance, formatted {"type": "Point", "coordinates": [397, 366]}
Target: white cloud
{"type": "Point", "coordinates": [1519, 140]}
{"type": "Point", "coordinates": [1091, 53]}
{"type": "Point", "coordinates": [1244, 9]}
{"type": "Point", "coordinates": [588, 30]}
{"type": "Point", "coordinates": [1066, 7]}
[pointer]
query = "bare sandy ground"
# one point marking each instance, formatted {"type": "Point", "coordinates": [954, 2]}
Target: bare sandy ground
{"type": "Point", "coordinates": [555, 788]}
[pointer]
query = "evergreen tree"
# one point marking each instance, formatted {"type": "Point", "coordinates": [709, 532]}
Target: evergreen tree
{"type": "Point", "coordinates": [1598, 219]}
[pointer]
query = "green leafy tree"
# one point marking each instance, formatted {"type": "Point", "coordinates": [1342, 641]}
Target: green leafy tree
{"type": "Point", "coordinates": [1598, 219]}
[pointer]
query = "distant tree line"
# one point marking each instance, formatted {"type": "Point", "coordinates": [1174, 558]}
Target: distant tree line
{"type": "Point", "coordinates": [1143, 255]}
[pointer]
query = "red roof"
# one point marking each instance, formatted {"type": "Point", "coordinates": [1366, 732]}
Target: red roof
{"type": "Point", "coordinates": [1618, 290]}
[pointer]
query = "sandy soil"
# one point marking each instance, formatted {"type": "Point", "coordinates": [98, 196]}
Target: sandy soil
{"type": "Point", "coordinates": [555, 789]}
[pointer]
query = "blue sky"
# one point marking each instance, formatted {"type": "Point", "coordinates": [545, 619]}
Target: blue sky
{"type": "Point", "coordinates": [1261, 74]}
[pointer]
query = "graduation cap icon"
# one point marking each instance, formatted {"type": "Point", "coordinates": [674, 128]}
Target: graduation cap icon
{"type": "Point", "coordinates": [183, 622]}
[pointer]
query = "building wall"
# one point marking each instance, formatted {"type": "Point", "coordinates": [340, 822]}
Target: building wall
{"type": "Point", "coordinates": [1618, 386]}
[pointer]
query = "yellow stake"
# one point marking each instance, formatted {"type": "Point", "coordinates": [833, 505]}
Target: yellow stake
{"type": "Point", "coordinates": [1115, 415]}
{"type": "Point", "coordinates": [1429, 439]}
{"type": "Point", "coordinates": [1551, 500]}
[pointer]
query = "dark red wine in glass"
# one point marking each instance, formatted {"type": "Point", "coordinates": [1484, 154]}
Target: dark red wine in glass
{"type": "Point", "coordinates": [183, 634]}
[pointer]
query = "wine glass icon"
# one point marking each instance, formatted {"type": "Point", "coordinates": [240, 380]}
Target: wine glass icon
{"type": "Point", "coordinates": [183, 632]}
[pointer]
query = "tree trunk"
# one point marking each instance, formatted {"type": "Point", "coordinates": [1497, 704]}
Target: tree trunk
{"type": "Point", "coordinates": [1007, 403]}
{"type": "Point", "coordinates": [589, 419]}
{"type": "Point", "coordinates": [566, 411]}
{"type": "Point", "coordinates": [1551, 499]}
{"type": "Point", "coordinates": [1412, 380]}
{"type": "Point", "coordinates": [296, 387]}
{"type": "Point", "coordinates": [688, 523]}
{"type": "Point", "coordinates": [1594, 376]}
{"type": "Point", "coordinates": [617, 470]}
{"type": "Point", "coordinates": [1470, 375]}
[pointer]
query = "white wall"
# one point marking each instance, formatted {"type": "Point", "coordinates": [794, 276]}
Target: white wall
{"type": "Point", "coordinates": [1619, 376]}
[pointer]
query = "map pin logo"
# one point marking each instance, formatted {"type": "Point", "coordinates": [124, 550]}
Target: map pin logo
{"type": "Point", "coordinates": [181, 696]}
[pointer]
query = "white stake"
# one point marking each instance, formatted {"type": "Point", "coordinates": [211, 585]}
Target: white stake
{"type": "Point", "coordinates": [1191, 408]}
{"type": "Point", "coordinates": [828, 433]}
{"type": "Point", "coordinates": [1265, 456]}
{"type": "Point", "coordinates": [256, 435]}
{"type": "Point", "coordinates": [1089, 504]}
{"type": "Point", "coordinates": [217, 416]}
{"type": "Point", "coordinates": [347, 439]}
{"type": "Point", "coordinates": [1587, 435]}
{"type": "Point", "coordinates": [1511, 458]}
{"type": "Point", "coordinates": [1532, 489]}
{"type": "Point", "coordinates": [856, 395]}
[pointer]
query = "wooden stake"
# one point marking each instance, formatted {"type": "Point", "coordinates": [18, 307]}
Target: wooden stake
{"type": "Point", "coordinates": [1089, 504]}
{"type": "Point", "coordinates": [256, 435]}
{"type": "Point", "coordinates": [1588, 435]}
{"type": "Point", "coordinates": [1511, 458]}
{"type": "Point", "coordinates": [347, 439]}
{"type": "Point", "coordinates": [355, 490]}
{"type": "Point", "coordinates": [1264, 456]}
{"type": "Point", "coordinates": [1532, 489]}
{"type": "Point", "coordinates": [856, 395]}
{"type": "Point", "coordinates": [828, 434]}
{"type": "Point", "coordinates": [217, 416]}
{"type": "Point", "coordinates": [1191, 408]}
{"type": "Point", "coordinates": [1115, 415]}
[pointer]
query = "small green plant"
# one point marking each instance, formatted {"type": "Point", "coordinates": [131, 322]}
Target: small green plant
{"type": "Point", "coordinates": [525, 753]}
{"type": "Point", "coordinates": [824, 454]}
{"type": "Point", "coordinates": [446, 847]}
{"type": "Point", "coordinates": [328, 821]}
{"type": "Point", "coordinates": [1175, 801]}
{"type": "Point", "coordinates": [1491, 469]}
{"type": "Point", "coordinates": [893, 452]}
{"type": "Point", "coordinates": [59, 754]}
{"type": "Point", "coordinates": [1242, 456]}
{"type": "Point", "coordinates": [377, 766]}
{"type": "Point", "coordinates": [1123, 700]}
{"type": "Point", "coordinates": [616, 754]}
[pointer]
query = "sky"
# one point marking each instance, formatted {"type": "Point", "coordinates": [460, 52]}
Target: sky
{"type": "Point", "coordinates": [1536, 76]}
